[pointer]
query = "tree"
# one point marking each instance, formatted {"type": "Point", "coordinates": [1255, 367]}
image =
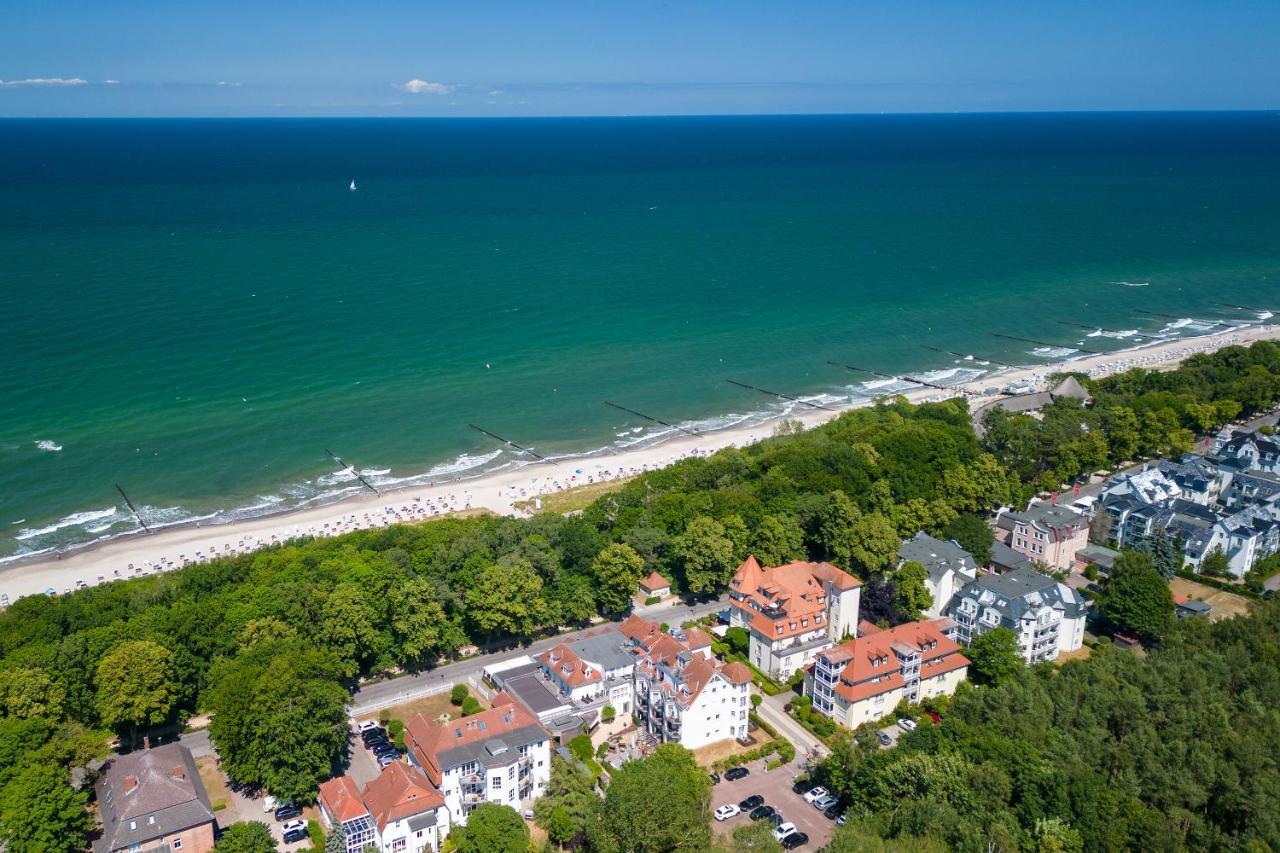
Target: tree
{"type": "Point", "coordinates": [265, 630]}
{"type": "Point", "coordinates": [913, 595]}
{"type": "Point", "coordinates": [617, 570]}
{"type": "Point", "coordinates": [739, 639]}
{"type": "Point", "coordinates": [754, 837]}
{"type": "Point", "coordinates": [570, 807]}
{"type": "Point", "coordinates": [1136, 598]}
{"type": "Point", "coordinates": [1215, 564]}
{"type": "Point", "coordinates": [637, 819]}
{"type": "Point", "coordinates": [879, 603]}
{"type": "Point", "coordinates": [416, 618]}
{"type": "Point", "coordinates": [253, 837]}
{"type": "Point", "coordinates": [507, 599]}
{"type": "Point", "coordinates": [707, 554]}
{"type": "Point", "coordinates": [492, 829]}
{"type": "Point", "coordinates": [778, 539]}
{"type": "Point", "coordinates": [977, 486]}
{"type": "Point", "coordinates": [608, 713]}
{"type": "Point", "coordinates": [40, 813]}
{"type": "Point", "coordinates": [836, 528]}
{"type": "Point", "coordinates": [996, 656]}
{"type": "Point", "coordinates": [29, 692]}
{"type": "Point", "coordinates": [336, 840]}
{"type": "Point", "coordinates": [874, 543]}
{"type": "Point", "coordinates": [972, 533]}
{"type": "Point", "coordinates": [346, 626]}
{"type": "Point", "coordinates": [135, 685]}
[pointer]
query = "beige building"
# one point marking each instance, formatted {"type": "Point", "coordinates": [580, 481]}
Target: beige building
{"type": "Point", "coordinates": [1045, 533]}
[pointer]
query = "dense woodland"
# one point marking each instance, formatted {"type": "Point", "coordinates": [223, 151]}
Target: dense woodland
{"type": "Point", "coordinates": [271, 642]}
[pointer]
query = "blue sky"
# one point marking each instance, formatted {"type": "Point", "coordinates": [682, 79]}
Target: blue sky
{"type": "Point", "coordinates": [628, 57]}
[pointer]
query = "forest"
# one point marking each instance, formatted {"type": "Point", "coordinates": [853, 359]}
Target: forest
{"type": "Point", "coordinates": [274, 640]}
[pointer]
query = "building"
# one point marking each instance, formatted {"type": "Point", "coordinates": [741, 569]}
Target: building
{"type": "Point", "coordinates": [593, 671]}
{"type": "Point", "coordinates": [792, 612]}
{"type": "Point", "coordinates": [1252, 451]}
{"type": "Point", "coordinates": [682, 694]}
{"type": "Point", "coordinates": [153, 799]}
{"type": "Point", "coordinates": [864, 679]}
{"type": "Point", "coordinates": [1191, 608]}
{"type": "Point", "coordinates": [1045, 533]}
{"type": "Point", "coordinates": [949, 566]}
{"type": "Point", "coordinates": [1047, 616]}
{"type": "Point", "coordinates": [1024, 400]}
{"type": "Point", "coordinates": [1098, 555]}
{"type": "Point", "coordinates": [502, 756]}
{"type": "Point", "coordinates": [402, 810]}
{"type": "Point", "coordinates": [655, 586]}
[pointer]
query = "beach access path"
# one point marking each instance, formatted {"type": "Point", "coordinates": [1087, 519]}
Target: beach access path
{"type": "Point", "coordinates": [498, 492]}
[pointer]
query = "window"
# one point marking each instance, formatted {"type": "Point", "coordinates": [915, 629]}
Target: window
{"type": "Point", "coordinates": [176, 844]}
{"type": "Point", "coordinates": [496, 782]}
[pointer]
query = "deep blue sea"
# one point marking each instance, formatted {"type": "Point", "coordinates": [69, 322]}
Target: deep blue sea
{"type": "Point", "coordinates": [197, 309]}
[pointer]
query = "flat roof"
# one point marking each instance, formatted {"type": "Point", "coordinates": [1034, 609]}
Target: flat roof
{"type": "Point", "coordinates": [533, 694]}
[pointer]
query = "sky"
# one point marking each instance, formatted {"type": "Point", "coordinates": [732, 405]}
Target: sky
{"type": "Point", "coordinates": [631, 57]}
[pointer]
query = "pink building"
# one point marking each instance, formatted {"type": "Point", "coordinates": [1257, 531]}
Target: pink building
{"type": "Point", "coordinates": [1045, 533]}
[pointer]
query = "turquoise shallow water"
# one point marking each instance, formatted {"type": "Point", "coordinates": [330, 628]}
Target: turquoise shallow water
{"type": "Point", "coordinates": [198, 309]}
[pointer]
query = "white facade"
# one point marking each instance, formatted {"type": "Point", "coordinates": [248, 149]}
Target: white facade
{"type": "Point", "coordinates": [520, 777]}
{"type": "Point", "coordinates": [1047, 616]}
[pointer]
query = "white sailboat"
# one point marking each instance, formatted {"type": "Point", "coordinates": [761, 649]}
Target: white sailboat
{"type": "Point", "coordinates": [353, 185]}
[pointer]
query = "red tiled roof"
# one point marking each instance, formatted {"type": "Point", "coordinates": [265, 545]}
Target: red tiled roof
{"type": "Point", "coordinates": [566, 664]}
{"type": "Point", "coordinates": [696, 638]}
{"type": "Point", "coordinates": [639, 630]}
{"type": "Point", "coordinates": [654, 581]}
{"type": "Point", "coordinates": [796, 589]}
{"type": "Point", "coordinates": [427, 740]}
{"type": "Point", "coordinates": [398, 792]}
{"type": "Point", "coordinates": [872, 657]}
{"type": "Point", "coordinates": [341, 799]}
{"type": "Point", "coordinates": [737, 672]}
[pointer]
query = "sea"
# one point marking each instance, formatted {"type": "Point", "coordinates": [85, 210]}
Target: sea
{"type": "Point", "coordinates": [198, 313]}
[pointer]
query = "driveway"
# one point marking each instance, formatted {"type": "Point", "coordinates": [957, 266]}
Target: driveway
{"type": "Point", "coordinates": [806, 743]}
{"type": "Point", "coordinates": [775, 787]}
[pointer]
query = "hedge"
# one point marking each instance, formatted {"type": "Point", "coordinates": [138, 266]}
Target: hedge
{"type": "Point", "coordinates": [653, 599]}
{"type": "Point", "coordinates": [785, 750]}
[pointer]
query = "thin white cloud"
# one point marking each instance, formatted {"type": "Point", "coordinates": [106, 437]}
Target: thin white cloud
{"type": "Point", "coordinates": [44, 81]}
{"type": "Point", "coordinates": [493, 92]}
{"type": "Point", "coordinates": [110, 82]}
{"type": "Point", "coordinates": [423, 87]}
{"type": "Point", "coordinates": [229, 83]}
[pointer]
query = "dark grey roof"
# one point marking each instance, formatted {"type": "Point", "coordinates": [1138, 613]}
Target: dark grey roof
{"type": "Point", "coordinates": [1015, 593]}
{"type": "Point", "coordinates": [533, 693]}
{"type": "Point", "coordinates": [1099, 555]}
{"type": "Point", "coordinates": [1006, 558]}
{"type": "Point", "coordinates": [608, 650]}
{"type": "Point", "coordinates": [422, 820]}
{"type": "Point", "coordinates": [1047, 515]}
{"type": "Point", "coordinates": [1195, 606]}
{"type": "Point", "coordinates": [1070, 387]}
{"type": "Point", "coordinates": [937, 556]}
{"type": "Point", "coordinates": [149, 794]}
{"type": "Point", "coordinates": [487, 752]}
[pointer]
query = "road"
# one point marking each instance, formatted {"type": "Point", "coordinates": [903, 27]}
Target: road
{"type": "Point", "coordinates": [405, 688]}
{"type": "Point", "coordinates": [806, 743]}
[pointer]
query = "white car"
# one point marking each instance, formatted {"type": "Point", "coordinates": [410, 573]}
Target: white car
{"type": "Point", "coordinates": [291, 825]}
{"type": "Point", "coordinates": [727, 811]}
{"type": "Point", "coordinates": [815, 794]}
{"type": "Point", "coordinates": [784, 830]}
{"type": "Point", "coordinates": [367, 726]}
{"type": "Point", "coordinates": [906, 725]}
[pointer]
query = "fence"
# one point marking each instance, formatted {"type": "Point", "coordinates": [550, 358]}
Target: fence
{"type": "Point", "coordinates": [354, 711]}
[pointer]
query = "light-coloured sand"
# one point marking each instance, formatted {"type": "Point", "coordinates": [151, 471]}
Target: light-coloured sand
{"type": "Point", "coordinates": [130, 556]}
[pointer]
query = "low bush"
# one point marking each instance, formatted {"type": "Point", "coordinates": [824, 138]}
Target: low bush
{"type": "Point", "coordinates": [470, 706]}
{"type": "Point", "coordinates": [653, 599]}
{"type": "Point", "coordinates": [459, 694]}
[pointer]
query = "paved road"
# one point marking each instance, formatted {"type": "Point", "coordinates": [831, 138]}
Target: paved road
{"type": "Point", "coordinates": [806, 743]}
{"type": "Point", "coordinates": [407, 687]}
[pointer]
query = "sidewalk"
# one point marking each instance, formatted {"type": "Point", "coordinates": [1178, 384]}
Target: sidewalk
{"type": "Point", "coordinates": [806, 743]}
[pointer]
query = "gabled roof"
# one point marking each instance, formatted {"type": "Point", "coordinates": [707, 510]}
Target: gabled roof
{"type": "Point", "coordinates": [938, 556]}
{"type": "Point", "coordinates": [787, 596]}
{"type": "Point", "coordinates": [873, 664]}
{"type": "Point", "coordinates": [1016, 593]}
{"type": "Point", "coordinates": [640, 631]}
{"type": "Point", "coordinates": [654, 582]}
{"type": "Point", "coordinates": [341, 799]}
{"type": "Point", "coordinates": [567, 666]}
{"type": "Point", "coordinates": [399, 792]}
{"type": "Point", "coordinates": [437, 748]}
{"type": "Point", "coordinates": [149, 794]}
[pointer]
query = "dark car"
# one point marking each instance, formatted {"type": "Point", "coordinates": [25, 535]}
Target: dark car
{"type": "Point", "coordinates": [884, 739]}
{"type": "Point", "coordinates": [832, 812]}
{"type": "Point", "coordinates": [295, 835]}
{"type": "Point", "coordinates": [751, 802]}
{"type": "Point", "coordinates": [735, 773]}
{"type": "Point", "coordinates": [801, 785]}
{"type": "Point", "coordinates": [287, 810]}
{"type": "Point", "coordinates": [794, 840]}
{"type": "Point", "coordinates": [762, 813]}
{"type": "Point", "coordinates": [383, 746]}
{"type": "Point", "coordinates": [372, 736]}
{"type": "Point", "coordinates": [715, 778]}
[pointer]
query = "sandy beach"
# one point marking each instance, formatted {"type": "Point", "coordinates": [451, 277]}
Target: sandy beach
{"type": "Point", "coordinates": [139, 554]}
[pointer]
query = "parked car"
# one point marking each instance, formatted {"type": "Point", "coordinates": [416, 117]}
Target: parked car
{"type": "Point", "coordinates": [368, 725]}
{"type": "Point", "coordinates": [832, 812]}
{"type": "Point", "coordinates": [751, 802]}
{"type": "Point", "coordinates": [800, 785]}
{"type": "Point", "coordinates": [824, 803]}
{"type": "Point", "coordinates": [387, 759]}
{"type": "Point", "coordinates": [784, 830]}
{"type": "Point", "coordinates": [287, 810]}
{"type": "Point", "coordinates": [794, 840]}
{"type": "Point", "coordinates": [814, 794]}
{"type": "Point", "coordinates": [884, 738]}
{"type": "Point", "coordinates": [840, 821]}
{"type": "Point", "coordinates": [715, 778]}
{"type": "Point", "coordinates": [733, 774]}
{"type": "Point", "coordinates": [291, 825]}
{"type": "Point", "coordinates": [762, 812]}
{"type": "Point", "coordinates": [727, 811]}
{"type": "Point", "coordinates": [296, 835]}
{"type": "Point", "coordinates": [906, 724]}
{"type": "Point", "coordinates": [383, 746]}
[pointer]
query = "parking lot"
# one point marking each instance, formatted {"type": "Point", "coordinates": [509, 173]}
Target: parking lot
{"type": "Point", "coordinates": [775, 787]}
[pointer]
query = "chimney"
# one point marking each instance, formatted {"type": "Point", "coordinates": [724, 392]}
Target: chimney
{"type": "Point", "coordinates": [130, 784]}
{"type": "Point", "coordinates": [180, 773]}
{"type": "Point", "coordinates": [146, 741]}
